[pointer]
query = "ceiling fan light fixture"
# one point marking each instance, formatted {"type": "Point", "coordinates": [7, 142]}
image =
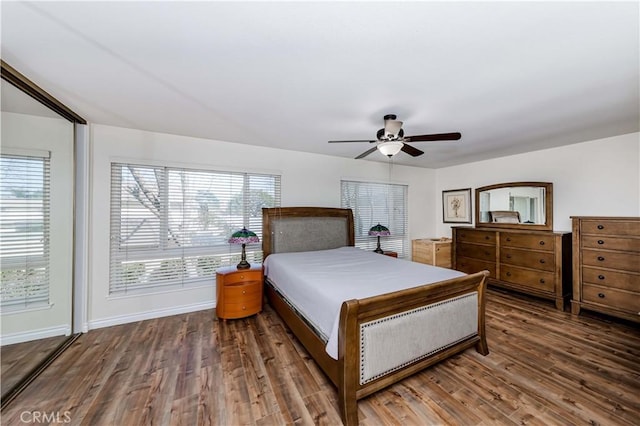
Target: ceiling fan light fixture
{"type": "Point", "coordinates": [392, 127]}
{"type": "Point", "coordinates": [390, 148]}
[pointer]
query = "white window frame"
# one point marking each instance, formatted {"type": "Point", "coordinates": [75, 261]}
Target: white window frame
{"type": "Point", "coordinates": [157, 266]}
{"type": "Point", "coordinates": [373, 203]}
{"type": "Point", "coordinates": [32, 289]}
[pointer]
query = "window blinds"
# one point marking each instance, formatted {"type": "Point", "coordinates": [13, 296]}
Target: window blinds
{"type": "Point", "coordinates": [24, 230]}
{"type": "Point", "coordinates": [374, 203]}
{"type": "Point", "coordinates": [170, 226]}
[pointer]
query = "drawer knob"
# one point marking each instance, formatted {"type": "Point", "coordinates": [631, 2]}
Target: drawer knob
{"type": "Point", "coordinates": [541, 260]}
{"type": "Point", "coordinates": [600, 258]}
{"type": "Point", "coordinates": [244, 292]}
{"type": "Point", "coordinates": [600, 242]}
{"type": "Point", "coordinates": [600, 226]}
{"type": "Point", "coordinates": [244, 308]}
{"type": "Point", "coordinates": [508, 239]}
{"type": "Point", "coordinates": [486, 237]}
{"type": "Point", "coordinates": [601, 295]}
{"type": "Point", "coordinates": [508, 274]}
{"type": "Point", "coordinates": [242, 277]}
{"type": "Point", "coordinates": [508, 256]}
{"type": "Point", "coordinates": [541, 280]}
{"type": "Point", "coordinates": [541, 243]}
{"type": "Point", "coordinates": [601, 277]}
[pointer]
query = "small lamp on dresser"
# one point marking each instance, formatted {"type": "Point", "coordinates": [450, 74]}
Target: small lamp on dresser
{"type": "Point", "coordinates": [379, 231]}
{"type": "Point", "coordinates": [244, 237]}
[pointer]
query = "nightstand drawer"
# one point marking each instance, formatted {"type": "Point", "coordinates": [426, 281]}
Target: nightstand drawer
{"type": "Point", "coordinates": [241, 310]}
{"type": "Point", "coordinates": [246, 291]}
{"type": "Point", "coordinates": [242, 277]}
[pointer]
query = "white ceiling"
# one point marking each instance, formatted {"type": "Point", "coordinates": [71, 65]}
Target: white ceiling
{"type": "Point", "coordinates": [511, 77]}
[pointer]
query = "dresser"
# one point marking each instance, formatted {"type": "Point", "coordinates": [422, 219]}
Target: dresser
{"type": "Point", "coordinates": [238, 291]}
{"type": "Point", "coordinates": [606, 266]}
{"type": "Point", "coordinates": [532, 262]}
{"type": "Point", "coordinates": [432, 251]}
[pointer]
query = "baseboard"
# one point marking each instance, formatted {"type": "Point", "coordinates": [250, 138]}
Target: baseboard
{"type": "Point", "coordinates": [140, 316]}
{"type": "Point", "coordinates": [27, 336]}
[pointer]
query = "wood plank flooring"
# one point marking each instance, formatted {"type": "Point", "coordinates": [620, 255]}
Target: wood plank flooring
{"type": "Point", "coordinates": [20, 358]}
{"type": "Point", "coordinates": [545, 368]}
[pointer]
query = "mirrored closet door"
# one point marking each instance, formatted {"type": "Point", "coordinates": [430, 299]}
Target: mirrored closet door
{"type": "Point", "coordinates": [36, 231]}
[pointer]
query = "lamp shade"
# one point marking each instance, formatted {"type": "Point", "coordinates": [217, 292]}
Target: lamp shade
{"type": "Point", "coordinates": [379, 231]}
{"type": "Point", "coordinates": [390, 148]}
{"type": "Point", "coordinates": [244, 236]}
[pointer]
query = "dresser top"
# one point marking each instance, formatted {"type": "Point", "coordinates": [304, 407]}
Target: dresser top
{"type": "Point", "coordinates": [518, 230]}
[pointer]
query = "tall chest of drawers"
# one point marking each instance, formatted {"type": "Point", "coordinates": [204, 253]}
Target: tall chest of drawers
{"type": "Point", "coordinates": [606, 262]}
{"type": "Point", "coordinates": [532, 262]}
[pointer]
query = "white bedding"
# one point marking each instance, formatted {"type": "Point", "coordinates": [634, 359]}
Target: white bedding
{"type": "Point", "coordinates": [317, 282]}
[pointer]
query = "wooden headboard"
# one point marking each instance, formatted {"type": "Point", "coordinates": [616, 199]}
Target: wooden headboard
{"type": "Point", "coordinates": [293, 229]}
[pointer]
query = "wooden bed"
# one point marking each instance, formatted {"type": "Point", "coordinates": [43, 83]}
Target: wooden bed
{"type": "Point", "coordinates": [291, 229]}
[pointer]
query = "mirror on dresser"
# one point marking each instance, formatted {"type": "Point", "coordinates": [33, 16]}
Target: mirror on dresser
{"type": "Point", "coordinates": [515, 205]}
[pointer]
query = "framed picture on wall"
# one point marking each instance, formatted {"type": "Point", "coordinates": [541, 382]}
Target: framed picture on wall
{"type": "Point", "coordinates": [456, 206]}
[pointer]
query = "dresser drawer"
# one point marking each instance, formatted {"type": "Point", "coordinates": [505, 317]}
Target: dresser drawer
{"type": "Point", "coordinates": [477, 251]}
{"type": "Point", "coordinates": [619, 299]}
{"type": "Point", "coordinates": [527, 241]}
{"type": "Point", "coordinates": [531, 259]}
{"type": "Point", "coordinates": [243, 276]}
{"type": "Point", "coordinates": [608, 278]}
{"type": "Point", "coordinates": [246, 291]}
{"type": "Point", "coordinates": [612, 260]}
{"type": "Point", "coordinates": [471, 266]}
{"type": "Point", "coordinates": [538, 280]}
{"type": "Point", "coordinates": [610, 227]}
{"type": "Point", "coordinates": [473, 236]}
{"type": "Point", "coordinates": [611, 243]}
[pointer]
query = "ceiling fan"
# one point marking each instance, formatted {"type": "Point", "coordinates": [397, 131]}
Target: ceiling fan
{"type": "Point", "coordinates": [391, 139]}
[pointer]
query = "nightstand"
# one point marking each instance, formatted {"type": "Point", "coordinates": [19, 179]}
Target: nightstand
{"type": "Point", "coordinates": [432, 251]}
{"type": "Point", "coordinates": [238, 291]}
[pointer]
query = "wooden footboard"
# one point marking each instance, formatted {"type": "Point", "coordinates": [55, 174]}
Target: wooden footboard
{"type": "Point", "coordinates": [346, 372]}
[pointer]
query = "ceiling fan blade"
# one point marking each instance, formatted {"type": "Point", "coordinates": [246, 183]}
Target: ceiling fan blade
{"type": "Point", "coordinates": [362, 140]}
{"type": "Point", "coordinates": [435, 137]}
{"type": "Point", "coordinates": [414, 152]}
{"type": "Point", "coordinates": [367, 152]}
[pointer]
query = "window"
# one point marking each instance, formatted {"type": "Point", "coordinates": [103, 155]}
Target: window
{"type": "Point", "coordinates": [170, 226]}
{"type": "Point", "coordinates": [24, 230]}
{"type": "Point", "coordinates": [374, 203]}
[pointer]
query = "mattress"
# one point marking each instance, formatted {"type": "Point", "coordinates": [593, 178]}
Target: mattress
{"type": "Point", "coordinates": [317, 282]}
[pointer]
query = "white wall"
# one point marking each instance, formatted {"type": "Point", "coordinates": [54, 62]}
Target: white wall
{"type": "Point", "coordinates": [307, 180]}
{"type": "Point", "coordinates": [591, 178]}
{"type": "Point", "coordinates": [600, 177]}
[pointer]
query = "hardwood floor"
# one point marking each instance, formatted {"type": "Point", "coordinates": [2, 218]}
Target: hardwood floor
{"type": "Point", "coordinates": [20, 358]}
{"type": "Point", "coordinates": [545, 368]}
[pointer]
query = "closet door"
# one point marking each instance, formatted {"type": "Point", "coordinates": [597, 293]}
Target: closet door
{"type": "Point", "coordinates": [36, 230]}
